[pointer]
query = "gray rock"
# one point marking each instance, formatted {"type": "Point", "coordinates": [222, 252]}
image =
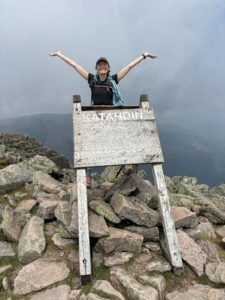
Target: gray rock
{"type": "Point", "coordinates": [14, 176]}
{"type": "Point", "coordinates": [181, 200]}
{"type": "Point", "coordinates": [25, 206]}
{"type": "Point", "coordinates": [60, 292]}
{"type": "Point", "coordinates": [197, 292]}
{"type": "Point", "coordinates": [130, 184]}
{"type": "Point", "coordinates": [157, 281]}
{"type": "Point", "coordinates": [92, 296]}
{"type": "Point", "coordinates": [118, 258]}
{"type": "Point", "coordinates": [4, 268]}
{"type": "Point", "coordinates": [38, 275]}
{"type": "Point", "coordinates": [105, 289]}
{"type": "Point", "coordinates": [149, 234]}
{"type": "Point", "coordinates": [6, 284]}
{"type": "Point", "coordinates": [159, 265]}
{"type": "Point", "coordinates": [191, 253]}
{"type": "Point", "coordinates": [212, 213]}
{"type": "Point", "coordinates": [210, 250]}
{"type": "Point", "coordinates": [6, 250]}
{"type": "Point", "coordinates": [63, 213]}
{"type": "Point", "coordinates": [11, 224]}
{"type": "Point", "coordinates": [32, 241]}
{"type": "Point", "coordinates": [132, 209]}
{"type": "Point", "coordinates": [204, 229]}
{"type": "Point", "coordinates": [183, 217]}
{"type": "Point", "coordinates": [221, 231]}
{"type": "Point", "coordinates": [46, 183]}
{"type": "Point", "coordinates": [216, 272]}
{"type": "Point", "coordinates": [43, 196]}
{"type": "Point", "coordinates": [97, 225]}
{"type": "Point", "coordinates": [134, 289]}
{"type": "Point", "coordinates": [46, 209]}
{"type": "Point", "coordinates": [62, 243]}
{"type": "Point", "coordinates": [154, 247]}
{"type": "Point", "coordinates": [42, 163]}
{"type": "Point", "coordinates": [105, 210]}
{"type": "Point", "coordinates": [120, 240]}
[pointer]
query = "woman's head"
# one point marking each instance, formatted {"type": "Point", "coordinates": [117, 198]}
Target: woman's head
{"type": "Point", "coordinates": [102, 66]}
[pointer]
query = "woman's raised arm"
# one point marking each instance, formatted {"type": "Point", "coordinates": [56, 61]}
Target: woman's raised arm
{"type": "Point", "coordinates": [133, 63]}
{"type": "Point", "coordinates": [72, 63]}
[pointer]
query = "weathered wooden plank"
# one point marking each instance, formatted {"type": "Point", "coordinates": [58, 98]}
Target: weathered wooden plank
{"type": "Point", "coordinates": [167, 220]}
{"type": "Point", "coordinates": [84, 243]}
{"type": "Point", "coordinates": [115, 137]}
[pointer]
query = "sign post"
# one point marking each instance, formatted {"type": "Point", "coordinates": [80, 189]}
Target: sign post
{"type": "Point", "coordinates": [118, 135]}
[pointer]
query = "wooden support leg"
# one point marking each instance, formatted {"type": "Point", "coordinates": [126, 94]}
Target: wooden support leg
{"type": "Point", "coordinates": [167, 220]}
{"type": "Point", "coordinates": [84, 243]}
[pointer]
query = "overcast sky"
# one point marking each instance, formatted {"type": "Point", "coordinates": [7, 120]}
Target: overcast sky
{"type": "Point", "coordinates": [186, 84]}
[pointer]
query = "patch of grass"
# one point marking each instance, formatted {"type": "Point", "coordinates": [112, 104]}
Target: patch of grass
{"type": "Point", "coordinates": [203, 280]}
{"type": "Point", "coordinates": [173, 281]}
{"type": "Point", "coordinates": [101, 273]}
{"type": "Point", "coordinates": [86, 288]}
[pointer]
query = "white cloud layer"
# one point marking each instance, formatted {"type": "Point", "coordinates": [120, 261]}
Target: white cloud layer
{"type": "Point", "coordinates": [185, 85]}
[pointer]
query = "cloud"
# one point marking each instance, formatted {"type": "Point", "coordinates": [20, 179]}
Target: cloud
{"type": "Point", "coordinates": [185, 85]}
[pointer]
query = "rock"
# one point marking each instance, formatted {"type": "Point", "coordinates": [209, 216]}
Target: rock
{"type": "Point", "coordinates": [191, 253]}
{"type": "Point", "coordinates": [25, 206]}
{"type": "Point", "coordinates": [157, 281]}
{"type": "Point", "coordinates": [118, 258]}
{"type": "Point", "coordinates": [43, 164]}
{"type": "Point", "coordinates": [210, 250]}
{"type": "Point", "coordinates": [97, 225]}
{"type": "Point", "coordinates": [134, 289]}
{"type": "Point", "coordinates": [92, 296]}
{"type": "Point", "coordinates": [97, 258]}
{"type": "Point", "coordinates": [111, 173]}
{"type": "Point", "coordinates": [197, 292]}
{"type": "Point", "coordinates": [43, 196]}
{"type": "Point", "coordinates": [132, 209]}
{"type": "Point", "coordinates": [160, 265]}
{"type": "Point", "coordinates": [221, 231]}
{"type": "Point", "coordinates": [181, 200]}
{"type": "Point", "coordinates": [138, 264]}
{"type": "Point", "coordinates": [130, 184]}
{"type": "Point", "coordinates": [183, 217]}
{"type": "Point", "coordinates": [204, 229]}
{"type": "Point", "coordinates": [62, 243]}
{"type": "Point", "coordinates": [14, 176]}
{"type": "Point", "coordinates": [212, 213]}
{"type": "Point", "coordinates": [4, 268]}
{"type": "Point", "coordinates": [63, 213]}
{"type": "Point", "coordinates": [6, 250]}
{"type": "Point", "coordinates": [46, 209]}
{"type": "Point", "coordinates": [75, 295]}
{"type": "Point", "coordinates": [38, 275]}
{"type": "Point", "coordinates": [154, 247]}
{"type": "Point", "coordinates": [46, 183]}
{"type": "Point", "coordinates": [6, 284]}
{"type": "Point", "coordinates": [150, 234]}
{"type": "Point", "coordinates": [216, 272]}
{"type": "Point", "coordinates": [32, 241]}
{"type": "Point", "coordinates": [105, 289]}
{"type": "Point", "coordinates": [105, 210]}
{"type": "Point", "coordinates": [11, 224]}
{"type": "Point", "coordinates": [120, 240]}
{"type": "Point", "coordinates": [60, 292]}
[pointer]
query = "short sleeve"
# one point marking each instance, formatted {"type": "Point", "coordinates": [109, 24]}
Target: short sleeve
{"type": "Point", "coordinates": [114, 77]}
{"type": "Point", "coordinates": [90, 77]}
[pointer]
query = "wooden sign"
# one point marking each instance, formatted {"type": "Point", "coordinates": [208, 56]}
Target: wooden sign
{"type": "Point", "coordinates": [115, 136]}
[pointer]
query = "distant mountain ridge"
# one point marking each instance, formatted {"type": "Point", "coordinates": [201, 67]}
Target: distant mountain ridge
{"type": "Point", "coordinates": [184, 153]}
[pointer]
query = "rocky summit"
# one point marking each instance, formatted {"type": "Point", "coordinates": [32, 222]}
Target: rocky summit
{"type": "Point", "coordinates": [39, 248]}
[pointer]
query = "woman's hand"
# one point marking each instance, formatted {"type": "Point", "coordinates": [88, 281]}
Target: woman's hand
{"type": "Point", "coordinates": [55, 53]}
{"type": "Point", "coordinates": [148, 54]}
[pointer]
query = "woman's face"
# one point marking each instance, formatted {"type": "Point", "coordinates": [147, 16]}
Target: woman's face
{"type": "Point", "coordinates": [102, 68]}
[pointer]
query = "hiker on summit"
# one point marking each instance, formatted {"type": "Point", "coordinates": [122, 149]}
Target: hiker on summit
{"type": "Point", "coordinates": [104, 86]}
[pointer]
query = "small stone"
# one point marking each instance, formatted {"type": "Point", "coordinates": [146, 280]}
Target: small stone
{"type": "Point", "coordinates": [118, 258]}
{"type": "Point", "coordinates": [62, 243]}
{"type": "Point", "coordinates": [160, 265]}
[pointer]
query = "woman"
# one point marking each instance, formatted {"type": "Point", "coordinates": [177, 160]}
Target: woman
{"type": "Point", "coordinates": [104, 89]}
